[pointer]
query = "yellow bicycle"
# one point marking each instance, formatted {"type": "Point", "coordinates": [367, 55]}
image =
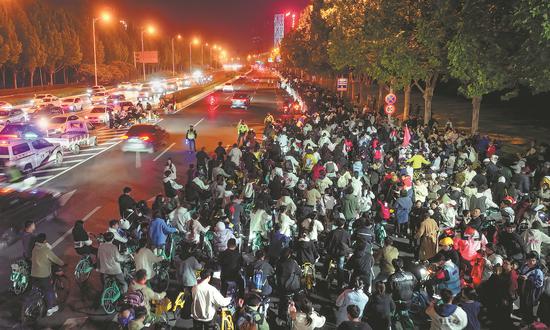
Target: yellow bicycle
{"type": "Point", "coordinates": [308, 273]}
{"type": "Point", "coordinates": [226, 320]}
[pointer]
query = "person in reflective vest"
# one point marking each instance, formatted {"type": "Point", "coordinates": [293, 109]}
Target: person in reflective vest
{"type": "Point", "coordinates": [242, 129]}
{"type": "Point", "coordinates": [449, 275]}
{"type": "Point", "coordinates": [190, 137]}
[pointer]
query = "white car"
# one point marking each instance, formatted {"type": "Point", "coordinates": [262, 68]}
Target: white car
{"type": "Point", "coordinates": [99, 98]}
{"type": "Point", "coordinates": [28, 155]}
{"type": "Point", "coordinates": [5, 105]}
{"type": "Point", "coordinates": [136, 86]}
{"type": "Point", "coordinates": [228, 88]}
{"type": "Point", "coordinates": [96, 89]}
{"type": "Point", "coordinates": [72, 104]}
{"type": "Point", "coordinates": [12, 116]}
{"type": "Point", "coordinates": [56, 125]}
{"type": "Point", "coordinates": [50, 101]}
{"type": "Point", "coordinates": [146, 94]}
{"type": "Point", "coordinates": [38, 98]}
{"type": "Point", "coordinates": [99, 115]}
{"type": "Point", "coordinates": [125, 85]}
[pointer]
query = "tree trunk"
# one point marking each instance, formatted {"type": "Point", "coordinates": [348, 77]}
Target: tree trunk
{"type": "Point", "coordinates": [407, 102]}
{"type": "Point", "coordinates": [428, 95]}
{"type": "Point", "coordinates": [51, 76]}
{"type": "Point", "coordinates": [41, 77]}
{"type": "Point", "coordinates": [31, 79]}
{"type": "Point", "coordinates": [476, 105]}
{"type": "Point", "coordinates": [352, 90]}
{"type": "Point", "coordinates": [14, 79]}
{"type": "Point", "coordinates": [65, 76]}
{"type": "Point", "coordinates": [368, 83]}
{"type": "Point", "coordinates": [360, 90]}
{"type": "Point", "coordinates": [380, 97]}
{"type": "Point", "coordinates": [4, 78]}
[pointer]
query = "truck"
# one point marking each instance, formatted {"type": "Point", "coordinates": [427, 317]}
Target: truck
{"type": "Point", "coordinates": [75, 136]}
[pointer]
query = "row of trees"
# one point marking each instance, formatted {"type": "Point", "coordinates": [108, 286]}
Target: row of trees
{"type": "Point", "coordinates": [42, 41]}
{"type": "Point", "coordinates": [485, 45]}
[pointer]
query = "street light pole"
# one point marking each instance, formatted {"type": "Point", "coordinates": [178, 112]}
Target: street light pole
{"type": "Point", "coordinates": [190, 56]}
{"type": "Point", "coordinates": [142, 51]}
{"type": "Point", "coordinates": [173, 59]}
{"type": "Point", "coordinates": [202, 56]}
{"type": "Point", "coordinates": [95, 52]}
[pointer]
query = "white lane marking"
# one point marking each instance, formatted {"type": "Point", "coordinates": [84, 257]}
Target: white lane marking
{"type": "Point", "coordinates": [65, 197]}
{"type": "Point", "coordinates": [197, 123]}
{"type": "Point", "coordinates": [53, 169]}
{"type": "Point", "coordinates": [80, 155]}
{"type": "Point", "coordinates": [86, 217]}
{"type": "Point", "coordinates": [138, 159]}
{"type": "Point", "coordinates": [163, 152]}
{"type": "Point", "coordinates": [40, 178]}
{"type": "Point", "coordinates": [74, 161]}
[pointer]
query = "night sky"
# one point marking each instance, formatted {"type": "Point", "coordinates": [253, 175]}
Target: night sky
{"type": "Point", "coordinates": [233, 23]}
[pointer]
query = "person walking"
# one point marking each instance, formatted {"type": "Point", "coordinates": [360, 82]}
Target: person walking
{"type": "Point", "coordinates": [427, 234]}
{"type": "Point", "coordinates": [242, 129]}
{"type": "Point", "coordinates": [191, 137]}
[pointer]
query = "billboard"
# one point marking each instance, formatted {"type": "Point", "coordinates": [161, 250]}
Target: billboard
{"type": "Point", "coordinates": [151, 56]}
{"type": "Point", "coordinates": [279, 29]}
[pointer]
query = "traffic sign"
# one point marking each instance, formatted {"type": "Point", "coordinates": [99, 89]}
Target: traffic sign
{"type": "Point", "coordinates": [151, 56]}
{"type": "Point", "coordinates": [390, 99]}
{"type": "Point", "coordinates": [342, 84]}
{"type": "Point", "coordinates": [389, 109]}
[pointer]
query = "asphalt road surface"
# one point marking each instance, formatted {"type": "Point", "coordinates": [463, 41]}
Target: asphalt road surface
{"type": "Point", "coordinates": [91, 188]}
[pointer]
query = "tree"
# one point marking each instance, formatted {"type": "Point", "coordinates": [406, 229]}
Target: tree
{"type": "Point", "coordinates": [10, 46]}
{"type": "Point", "coordinates": [479, 52]}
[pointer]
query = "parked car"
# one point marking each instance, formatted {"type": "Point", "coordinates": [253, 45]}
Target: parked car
{"type": "Point", "coordinates": [72, 104]}
{"type": "Point", "coordinates": [99, 115]}
{"type": "Point", "coordinates": [12, 115]}
{"type": "Point", "coordinates": [99, 98]}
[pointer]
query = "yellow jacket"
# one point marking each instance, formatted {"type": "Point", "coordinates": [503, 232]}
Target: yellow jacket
{"type": "Point", "coordinates": [242, 128]}
{"type": "Point", "coordinates": [417, 161]}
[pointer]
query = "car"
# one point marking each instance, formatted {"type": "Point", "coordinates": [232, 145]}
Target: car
{"type": "Point", "coordinates": [115, 99]}
{"type": "Point", "coordinates": [240, 101]}
{"type": "Point", "coordinates": [135, 86]}
{"type": "Point", "coordinates": [12, 115]}
{"type": "Point", "coordinates": [47, 112]}
{"type": "Point", "coordinates": [144, 138]}
{"type": "Point", "coordinates": [171, 87]}
{"type": "Point", "coordinates": [21, 130]}
{"type": "Point", "coordinates": [56, 125]}
{"type": "Point", "coordinates": [54, 100]}
{"type": "Point", "coordinates": [5, 105]}
{"type": "Point", "coordinates": [228, 88]}
{"type": "Point", "coordinates": [99, 98]}
{"type": "Point", "coordinates": [72, 104]}
{"type": "Point", "coordinates": [146, 94]}
{"type": "Point", "coordinates": [125, 85]}
{"type": "Point", "coordinates": [96, 89]}
{"type": "Point", "coordinates": [38, 98]}
{"type": "Point", "coordinates": [99, 115]}
{"type": "Point", "coordinates": [35, 205]}
{"type": "Point", "coordinates": [123, 105]}
{"type": "Point", "coordinates": [29, 154]}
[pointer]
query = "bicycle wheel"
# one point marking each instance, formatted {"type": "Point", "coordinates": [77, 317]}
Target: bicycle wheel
{"type": "Point", "coordinates": [161, 281]}
{"type": "Point", "coordinates": [33, 308]}
{"type": "Point", "coordinates": [82, 270]}
{"type": "Point", "coordinates": [20, 285]}
{"type": "Point", "coordinates": [109, 297]}
{"type": "Point", "coordinates": [62, 288]}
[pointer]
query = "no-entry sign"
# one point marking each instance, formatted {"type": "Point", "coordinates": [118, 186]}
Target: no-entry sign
{"type": "Point", "coordinates": [390, 99]}
{"type": "Point", "coordinates": [342, 84]}
{"type": "Point", "coordinates": [389, 109]}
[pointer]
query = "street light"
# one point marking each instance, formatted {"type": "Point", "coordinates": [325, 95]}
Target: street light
{"type": "Point", "coordinates": [174, 56]}
{"type": "Point", "coordinates": [202, 54]}
{"type": "Point", "coordinates": [151, 30]}
{"type": "Point", "coordinates": [106, 17]}
{"type": "Point", "coordinates": [194, 41]}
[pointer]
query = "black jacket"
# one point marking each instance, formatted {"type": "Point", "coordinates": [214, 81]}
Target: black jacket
{"type": "Point", "coordinates": [230, 262]}
{"type": "Point", "coordinates": [363, 237]}
{"type": "Point", "coordinates": [288, 276]}
{"type": "Point", "coordinates": [361, 263]}
{"type": "Point", "coordinates": [306, 252]}
{"type": "Point", "coordinates": [512, 243]}
{"type": "Point", "coordinates": [401, 285]}
{"type": "Point", "coordinates": [338, 243]}
{"type": "Point", "coordinates": [125, 202]}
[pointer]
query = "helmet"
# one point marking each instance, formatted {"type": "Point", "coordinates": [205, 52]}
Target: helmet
{"type": "Point", "coordinates": [446, 241]}
{"type": "Point", "coordinates": [469, 231]}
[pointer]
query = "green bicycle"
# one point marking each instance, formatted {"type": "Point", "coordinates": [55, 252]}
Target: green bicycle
{"type": "Point", "coordinates": [110, 295]}
{"type": "Point", "coordinates": [19, 277]}
{"type": "Point", "coordinates": [83, 269]}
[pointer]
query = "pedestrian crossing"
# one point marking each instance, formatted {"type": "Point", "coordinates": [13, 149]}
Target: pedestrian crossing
{"type": "Point", "coordinates": [106, 138]}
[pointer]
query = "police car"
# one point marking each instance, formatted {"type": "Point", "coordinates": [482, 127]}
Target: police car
{"type": "Point", "coordinates": [28, 154]}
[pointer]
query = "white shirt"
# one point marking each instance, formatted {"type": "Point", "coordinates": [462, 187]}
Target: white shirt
{"type": "Point", "coordinates": [286, 223]}
{"type": "Point", "coordinates": [146, 259]}
{"type": "Point", "coordinates": [179, 217]}
{"type": "Point", "coordinates": [301, 321]}
{"type": "Point", "coordinates": [206, 300]}
{"type": "Point", "coordinates": [235, 156]}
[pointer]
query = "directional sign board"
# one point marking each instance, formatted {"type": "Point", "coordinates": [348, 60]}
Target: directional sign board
{"type": "Point", "coordinates": [342, 84]}
{"type": "Point", "coordinates": [390, 98]}
{"type": "Point", "coordinates": [389, 109]}
{"type": "Point", "coordinates": [147, 56]}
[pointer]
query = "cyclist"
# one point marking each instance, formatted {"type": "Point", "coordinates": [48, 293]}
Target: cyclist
{"type": "Point", "coordinates": [260, 269]}
{"type": "Point", "coordinates": [110, 260]}
{"type": "Point", "coordinates": [158, 233]}
{"type": "Point", "coordinates": [269, 119]}
{"type": "Point", "coordinates": [401, 285]}
{"type": "Point", "coordinates": [138, 323]}
{"type": "Point", "coordinates": [305, 318]}
{"type": "Point", "coordinates": [82, 241]}
{"type": "Point", "coordinates": [230, 261]}
{"type": "Point", "coordinates": [306, 252]}
{"type": "Point", "coordinates": [145, 259]}
{"type": "Point", "coordinates": [27, 239]}
{"type": "Point", "coordinates": [126, 202]}
{"type": "Point", "coordinates": [139, 283]}
{"type": "Point", "coordinates": [206, 299]}
{"type": "Point", "coordinates": [349, 297]}
{"type": "Point", "coordinates": [43, 259]}
{"type": "Point", "coordinates": [114, 228]}
{"type": "Point", "coordinates": [288, 276]}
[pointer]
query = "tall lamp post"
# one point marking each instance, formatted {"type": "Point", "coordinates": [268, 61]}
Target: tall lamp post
{"type": "Point", "coordinates": [174, 55]}
{"type": "Point", "coordinates": [193, 41]}
{"type": "Point", "coordinates": [106, 17]}
{"type": "Point", "coordinates": [150, 29]}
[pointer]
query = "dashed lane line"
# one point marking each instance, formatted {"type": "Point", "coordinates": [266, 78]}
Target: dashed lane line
{"type": "Point", "coordinates": [164, 151]}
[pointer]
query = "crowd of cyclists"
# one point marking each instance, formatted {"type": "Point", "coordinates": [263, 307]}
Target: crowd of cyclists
{"type": "Point", "coordinates": [396, 224]}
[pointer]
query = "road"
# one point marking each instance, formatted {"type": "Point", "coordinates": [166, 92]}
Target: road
{"type": "Point", "coordinates": [92, 186]}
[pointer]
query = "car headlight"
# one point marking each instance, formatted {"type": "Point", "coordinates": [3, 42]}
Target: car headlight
{"type": "Point", "coordinates": [43, 123]}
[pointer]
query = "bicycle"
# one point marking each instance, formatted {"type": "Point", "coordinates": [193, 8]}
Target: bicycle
{"type": "Point", "coordinates": [331, 272]}
{"type": "Point", "coordinates": [19, 277]}
{"type": "Point", "coordinates": [34, 305]}
{"type": "Point", "coordinates": [308, 273]}
{"type": "Point", "coordinates": [161, 281]}
{"type": "Point", "coordinates": [110, 295]}
{"type": "Point", "coordinates": [226, 322]}
{"type": "Point", "coordinates": [83, 269]}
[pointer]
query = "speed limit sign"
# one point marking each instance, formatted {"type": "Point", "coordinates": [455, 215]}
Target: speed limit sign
{"type": "Point", "coordinates": [389, 109]}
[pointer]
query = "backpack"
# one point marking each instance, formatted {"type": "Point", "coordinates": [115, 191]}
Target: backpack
{"type": "Point", "coordinates": [258, 280]}
{"type": "Point", "coordinates": [134, 298]}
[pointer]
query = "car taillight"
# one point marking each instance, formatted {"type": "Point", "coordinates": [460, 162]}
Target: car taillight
{"type": "Point", "coordinates": [144, 138]}
{"type": "Point", "coordinates": [124, 137]}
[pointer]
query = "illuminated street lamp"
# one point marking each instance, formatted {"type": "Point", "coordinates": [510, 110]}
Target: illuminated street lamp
{"type": "Point", "coordinates": [194, 41]}
{"type": "Point", "coordinates": [105, 17]}
{"type": "Point", "coordinates": [150, 30]}
{"type": "Point", "coordinates": [173, 55]}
